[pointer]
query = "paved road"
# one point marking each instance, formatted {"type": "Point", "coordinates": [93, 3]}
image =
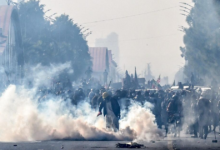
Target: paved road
{"type": "Point", "coordinates": [169, 143]}
{"type": "Point", "coordinates": [188, 143]}
{"type": "Point", "coordinates": [76, 145]}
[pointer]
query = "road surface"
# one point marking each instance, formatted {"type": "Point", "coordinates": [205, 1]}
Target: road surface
{"type": "Point", "coordinates": [169, 143]}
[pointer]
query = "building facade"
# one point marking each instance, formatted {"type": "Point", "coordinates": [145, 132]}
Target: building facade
{"type": "Point", "coordinates": [102, 61]}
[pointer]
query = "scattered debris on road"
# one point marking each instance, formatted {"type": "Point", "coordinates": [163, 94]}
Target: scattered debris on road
{"type": "Point", "coordinates": [214, 141]}
{"type": "Point", "coordinates": [129, 145]}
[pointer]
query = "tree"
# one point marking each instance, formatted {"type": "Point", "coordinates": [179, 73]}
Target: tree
{"type": "Point", "coordinates": [70, 44]}
{"type": "Point", "coordinates": [34, 31]}
{"type": "Point", "coordinates": [46, 42]}
{"type": "Point", "coordinates": [202, 47]}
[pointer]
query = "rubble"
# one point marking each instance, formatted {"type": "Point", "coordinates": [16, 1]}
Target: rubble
{"type": "Point", "coordinates": [129, 145]}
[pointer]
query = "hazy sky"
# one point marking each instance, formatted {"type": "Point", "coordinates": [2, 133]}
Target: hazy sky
{"type": "Point", "coordinates": [147, 29]}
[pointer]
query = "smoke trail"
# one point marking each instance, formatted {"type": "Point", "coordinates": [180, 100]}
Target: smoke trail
{"type": "Point", "coordinates": [24, 118]}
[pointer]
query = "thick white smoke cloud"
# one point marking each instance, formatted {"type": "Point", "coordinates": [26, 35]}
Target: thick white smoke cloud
{"type": "Point", "coordinates": [24, 118]}
{"type": "Point", "coordinates": [42, 75]}
{"type": "Point", "coordinates": [141, 120]}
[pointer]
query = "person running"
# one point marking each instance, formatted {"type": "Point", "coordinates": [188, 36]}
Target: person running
{"type": "Point", "coordinates": [111, 110]}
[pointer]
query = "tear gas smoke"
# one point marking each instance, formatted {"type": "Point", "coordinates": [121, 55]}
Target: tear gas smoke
{"type": "Point", "coordinates": [25, 118]}
{"type": "Point", "coordinates": [42, 75]}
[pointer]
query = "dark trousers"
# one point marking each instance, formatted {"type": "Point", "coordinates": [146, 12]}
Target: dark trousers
{"type": "Point", "coordinates": [195, 127]}
{"type": "Point", "coordinates": [203, 131]}
{"type": "Point", "coordinates": [203, 125]}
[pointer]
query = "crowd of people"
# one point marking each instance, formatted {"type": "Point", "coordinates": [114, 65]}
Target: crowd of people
{"type": "Point", "coordinates": [192, 110]}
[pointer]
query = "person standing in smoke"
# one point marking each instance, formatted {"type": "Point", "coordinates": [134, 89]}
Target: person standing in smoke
{"type": "Point", "coordinates": [105, 75]}
{"type": "Point", "coordinates": [139, 98]}
{"type": "Point", "coordinates": [214, 111]}
{"type": "Point", "coordinates": [91, 94]}
{"type": "Point", "coordinates": [204, 114]}
{"type": "Point", "coordinates": [194, 114]}
{"type": "Point", "coordinates": [180, 85]}
{"type": "Point", "coordinates": [159, 100]}
{"type": "Point", "coordinates": [146, 95]}
{"type": "Point", "coordinates": [126, 81]}
{"type": "Point", "coordinates": [100, 99]}
{"type": "Point", "coordinates": [174, 110]}
{"type": "Point", "coordinates": [164, 113]}
{"type": "Point", "coordinates": [111, 110]}
{"type": "Point", "coordinates": [78, 96]}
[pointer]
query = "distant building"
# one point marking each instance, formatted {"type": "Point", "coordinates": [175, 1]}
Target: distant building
{"type": "Point", "coordinates": [101, 61]}
{"type": "Point", "coordinates": [114, 46]}
{"type": "Point", "coordinates": [11, 52]}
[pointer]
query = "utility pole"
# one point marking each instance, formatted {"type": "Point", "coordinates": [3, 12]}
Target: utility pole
{"type": "Point", "coordinates": [8, 2]}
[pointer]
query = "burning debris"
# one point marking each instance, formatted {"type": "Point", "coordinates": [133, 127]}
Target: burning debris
{"type": "Point", "coordinates": [129, 145]}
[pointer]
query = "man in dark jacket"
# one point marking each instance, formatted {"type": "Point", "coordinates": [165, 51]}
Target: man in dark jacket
{"type": "Point", "coordinates": [111, 111]}
{"type": "Point", "coordinates": [204, 115]}
{"type": "Point", "coordinates": [174, 110]}
{"type": "Point", "coordinates": [78, 96]}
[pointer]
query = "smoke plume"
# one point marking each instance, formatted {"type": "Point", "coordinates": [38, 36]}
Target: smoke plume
{"type": "Point", "coordinates": [25, 118]}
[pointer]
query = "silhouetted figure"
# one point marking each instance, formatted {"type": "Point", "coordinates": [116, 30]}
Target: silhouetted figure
{"type": "Point", "coordinates": [139, 98]}
{"type": "Point", "coordinates": [204, 112]}
{"type": "Point", "coordinates": [111, 110]}
{"type": "Point", "coordinates": [127, 81]}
